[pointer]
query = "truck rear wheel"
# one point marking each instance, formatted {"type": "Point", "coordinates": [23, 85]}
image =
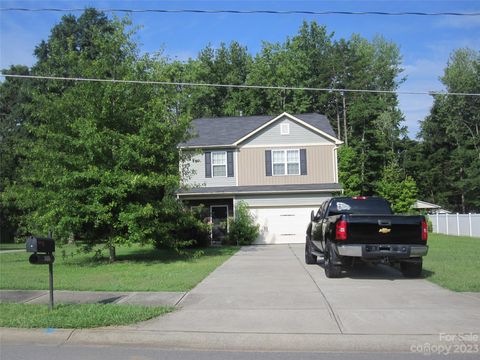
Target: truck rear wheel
{"type": "Point", "coordinates": [331, 270]}
{"type": "Point", "coordinates": [412, 268]}
{"type": "Point", "coordinates": [310, 259]}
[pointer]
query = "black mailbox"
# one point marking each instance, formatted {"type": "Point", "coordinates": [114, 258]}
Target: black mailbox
{"type": "Point", "coordinates": [42, 245]}
{"type": "Point", "coordinates": [43, 249]}
{"type": "Point", "coordinates": [41, 259]}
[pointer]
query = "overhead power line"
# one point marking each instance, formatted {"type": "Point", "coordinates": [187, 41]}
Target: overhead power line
{"type": "Point", "coordinates": [234, 86]}
{"type": "Point", "coordinates": [275, 12]}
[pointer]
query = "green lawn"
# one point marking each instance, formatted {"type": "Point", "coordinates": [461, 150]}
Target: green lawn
{"type": "Point", "coordinates": [453, 262]}
{"type": "Point", "coordinates": [137, 269]}
{"type": "Point", "coordinates": [75, 316]}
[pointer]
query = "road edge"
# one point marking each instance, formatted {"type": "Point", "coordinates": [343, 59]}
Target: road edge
{"type": "Point", "coordinates": [226, 341]}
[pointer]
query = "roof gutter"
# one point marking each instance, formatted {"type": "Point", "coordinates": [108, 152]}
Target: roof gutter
{"type": "Point", "coordinates": [228, 146]}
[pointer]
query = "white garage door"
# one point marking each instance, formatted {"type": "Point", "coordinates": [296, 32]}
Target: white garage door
{"type": "Point", "coordinates": [282, 225]}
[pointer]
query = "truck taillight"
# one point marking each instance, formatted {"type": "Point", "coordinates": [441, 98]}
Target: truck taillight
{"type": "Point", "coordinates": [424, 230]}
{"type": "Point", "coordinates": [341, 230]}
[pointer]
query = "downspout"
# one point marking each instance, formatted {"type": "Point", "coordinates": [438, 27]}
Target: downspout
{"type": "Point", "coordinates": [335, 164]}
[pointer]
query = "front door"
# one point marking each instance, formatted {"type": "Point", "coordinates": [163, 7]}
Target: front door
{"type": "Point", "coordinates": [219, 214]}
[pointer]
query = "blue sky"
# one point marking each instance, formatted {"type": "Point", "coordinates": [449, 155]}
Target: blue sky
{"type": "Point", "coordinates": [425, 42]}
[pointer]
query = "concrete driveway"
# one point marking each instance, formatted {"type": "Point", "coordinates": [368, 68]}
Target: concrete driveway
{"type": "Point", "coordinates": [270, 290]}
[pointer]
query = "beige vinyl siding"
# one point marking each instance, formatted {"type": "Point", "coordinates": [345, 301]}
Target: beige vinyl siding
{"type": "Point", "coordinates": [320, 166]}
{"type": "Point", "coordinates": [298, 135]}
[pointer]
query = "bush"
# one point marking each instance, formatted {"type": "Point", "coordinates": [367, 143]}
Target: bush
{"type": "Point", "coordinates": [197, 229]}
{"type": "Point", "coordinates": [181, 227]}
{"type": "Point", "coordinates": [429, 224]}
{"type": "Point", "coordinates": [400, 190]}
{"type": "Point", "coordinates": [243, 229]}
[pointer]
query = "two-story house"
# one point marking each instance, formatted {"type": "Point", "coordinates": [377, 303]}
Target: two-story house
{"type": "Point", "coordinates": [282, 167]}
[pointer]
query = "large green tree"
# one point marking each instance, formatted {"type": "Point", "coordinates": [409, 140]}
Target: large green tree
{"type": "Point", "coordinates": [225, 65]}
{"type": "Point", "coordinates": [373, 120]}
{"type": "Point", "coordinates": [304, 60]}
{"type": "Point", "coordinates": [103, 164]}
{"type": "Point", "coordinates": [451, 137]}
{"type": "Point", "coordinates": [74, 38]}
{"type": "Point", "coordinates": [15, 110]}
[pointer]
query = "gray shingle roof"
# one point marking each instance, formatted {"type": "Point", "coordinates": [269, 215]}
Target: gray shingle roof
{"type": "Point", "coordinates": [260, 189]}
{"type": "Point", "coordinates": [227, 130]}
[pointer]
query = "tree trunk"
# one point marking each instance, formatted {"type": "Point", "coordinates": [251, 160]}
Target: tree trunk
{"type": "Point", "coordinates": [345, 135]}
{"type": "Point", "coordinates": [71, 239]}
{"type": "Point", "coordinates": [112, 254]}
{"type": "Point", "coordinates": [363, 160]}
{"type": "Point", "coordinates": [462, 191]}
{"type": "Point", "coordinates": [339, 127]}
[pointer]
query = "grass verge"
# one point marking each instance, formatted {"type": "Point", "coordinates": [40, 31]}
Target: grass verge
{"type": "Point", "coordinates": [136, 269]}
{"type": "Point", "coordinates": [453, 262]}
{"type": "Point", "coordinates": [75, 316]}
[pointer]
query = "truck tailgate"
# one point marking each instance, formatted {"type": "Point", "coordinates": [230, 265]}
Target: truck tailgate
{"type": "Point", "coordinates": [384, 229]}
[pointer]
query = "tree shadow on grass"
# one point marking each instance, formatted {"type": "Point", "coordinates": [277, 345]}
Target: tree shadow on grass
{"type": "Point", "coordinates": [427, 273]}
{"type": "Point", "coordinates": [167, 255]}
{"type": "Point", "coordinates": [151, 256]}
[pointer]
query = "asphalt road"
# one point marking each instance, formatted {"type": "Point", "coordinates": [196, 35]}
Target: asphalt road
{"type": "Point", "coordinates": [22, 352]}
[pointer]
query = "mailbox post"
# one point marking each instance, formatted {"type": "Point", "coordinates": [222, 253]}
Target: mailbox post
{"type": "Point", "coordinates": [43, 249]}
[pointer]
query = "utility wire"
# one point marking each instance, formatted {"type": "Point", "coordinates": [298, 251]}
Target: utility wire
{"type": "Point", "coordinates": [276, 12]}
{"type": "Point", "coordinates": [235, 86]}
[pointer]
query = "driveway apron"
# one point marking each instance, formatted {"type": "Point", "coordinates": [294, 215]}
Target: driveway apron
{"type": "Point", "coordinates": [261, 289]}
{"type": "Point", "coordinates": [269, 289]}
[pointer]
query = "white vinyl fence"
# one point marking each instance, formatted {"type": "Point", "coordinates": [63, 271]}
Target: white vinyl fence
{"type": "Point", "coordinates": [456, 224]}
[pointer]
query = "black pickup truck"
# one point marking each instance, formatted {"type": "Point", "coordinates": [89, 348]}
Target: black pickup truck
{"type": "Point", "coordinates": [348, 228]}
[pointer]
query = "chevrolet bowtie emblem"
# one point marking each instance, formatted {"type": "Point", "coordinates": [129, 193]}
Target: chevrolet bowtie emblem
{"type": "Point", "coordinates": [384, 230]}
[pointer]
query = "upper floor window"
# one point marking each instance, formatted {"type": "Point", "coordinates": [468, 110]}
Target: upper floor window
{"type": "Point", "coordinates": [219, 163]}
{"type": "Point", "coordinates": [286, 162]}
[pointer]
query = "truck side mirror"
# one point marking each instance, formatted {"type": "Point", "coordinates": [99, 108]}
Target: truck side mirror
{"type": "Point", "coordinates": [312, 216]}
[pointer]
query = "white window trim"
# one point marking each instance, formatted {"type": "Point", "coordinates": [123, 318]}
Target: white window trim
{"type": "Point", "coordinates": [225, 164]}
{"type": "Point", "coordinates": [286, 162]}
{"type": "Point", "coordinates": [285, 129]}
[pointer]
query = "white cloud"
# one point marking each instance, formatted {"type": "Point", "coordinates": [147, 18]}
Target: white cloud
{"type": "Point", "coordinates": [422, 76]}
{"type": "Point", "coordinates": [424, 68]}
{"type": "Point", "coordinates": [415, 108]}
{"type": "Point", "coordinates": [443, 48]}
{"type": "Point", "coordinates": [458, 22]}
